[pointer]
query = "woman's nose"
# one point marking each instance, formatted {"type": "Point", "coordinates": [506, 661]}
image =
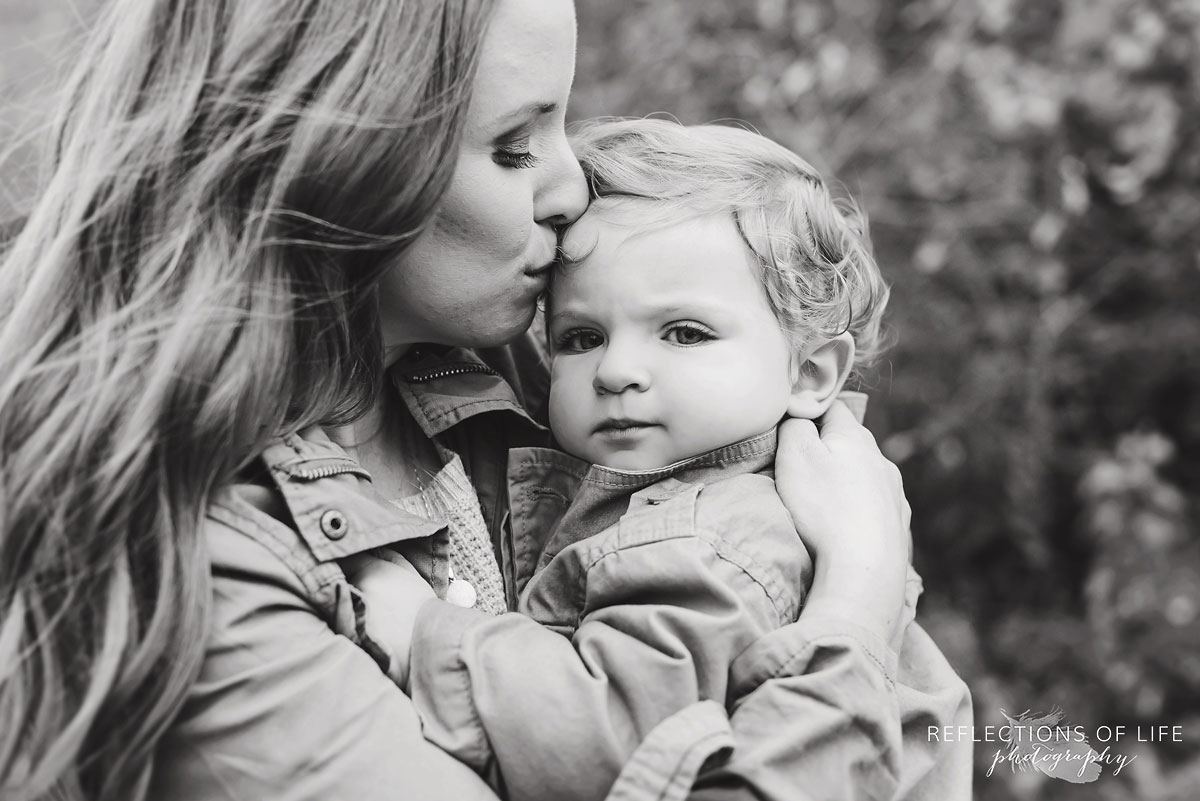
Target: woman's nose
{"type": "Point", "coordinates": [564, 194]}
{"type": "Point", "coordinates": [621, 369]}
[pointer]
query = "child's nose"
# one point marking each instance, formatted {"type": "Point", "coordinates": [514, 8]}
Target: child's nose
{"type": "Point", "coordinates": [621, 369]}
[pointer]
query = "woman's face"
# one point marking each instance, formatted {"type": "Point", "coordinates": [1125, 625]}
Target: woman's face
{"type": "Point", "coordinates": [474, 275]}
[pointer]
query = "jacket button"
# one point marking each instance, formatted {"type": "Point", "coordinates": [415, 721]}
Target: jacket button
{"type": "Point", "coordinates": [334, 524]}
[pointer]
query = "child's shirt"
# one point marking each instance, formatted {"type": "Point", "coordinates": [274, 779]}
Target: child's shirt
{"type": "Point", "coordinates": [663, 581]}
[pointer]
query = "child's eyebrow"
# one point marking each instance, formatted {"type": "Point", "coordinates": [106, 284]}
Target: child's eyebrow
{"type": "Point", "coordinates": [651, 310]}
{"type": "Point", "coordinates": [689, 307]}
{"type": "Point", "coordinates": [564, 315]}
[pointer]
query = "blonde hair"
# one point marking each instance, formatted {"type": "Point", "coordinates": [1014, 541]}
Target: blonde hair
{"type": "Point", "coordinates": [227, 182]}
{"type": "Point", "coordinates": [811, 244]}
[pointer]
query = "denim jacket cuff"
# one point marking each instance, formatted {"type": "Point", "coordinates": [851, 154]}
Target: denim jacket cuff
{"type": "Point", "coordinates": [665, 765]}
{"type": "Point", "coordinates": [440, 681]}
{"type": "Point", "coordinates": [786, 651]}
{"type": "Point", "coordinates": [820, 628]}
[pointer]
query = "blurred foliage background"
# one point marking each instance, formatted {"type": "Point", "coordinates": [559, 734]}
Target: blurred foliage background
{"type": "Point", "coordinates": [1031, 172]}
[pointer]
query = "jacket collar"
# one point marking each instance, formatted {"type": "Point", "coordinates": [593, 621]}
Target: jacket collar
{"type": "Point", "coordinates": [442, 387]}
{"type": "Point", "coordinates": [331, 501]}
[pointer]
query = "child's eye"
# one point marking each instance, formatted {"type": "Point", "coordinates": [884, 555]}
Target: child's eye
{"type": "Point", "coordinates": [687, 334]}
{"type": "Point", "coordinates": [579, 340]}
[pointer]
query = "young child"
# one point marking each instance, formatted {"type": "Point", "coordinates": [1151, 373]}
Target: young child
{"type": "Point", "coordinates": [714, 287]}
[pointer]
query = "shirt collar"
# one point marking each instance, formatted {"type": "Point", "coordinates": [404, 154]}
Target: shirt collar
{"type": "Point", "coordinates": [601, 495]}
{"type": "Point", "coordinates": [747, 456]}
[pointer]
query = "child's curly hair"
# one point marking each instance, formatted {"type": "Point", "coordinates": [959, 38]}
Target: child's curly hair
{"type": "Point", "coordinates": [812, 246]}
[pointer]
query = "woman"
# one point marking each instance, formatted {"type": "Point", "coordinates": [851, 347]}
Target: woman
{"type": "Point", "coordinates": [238, 235]}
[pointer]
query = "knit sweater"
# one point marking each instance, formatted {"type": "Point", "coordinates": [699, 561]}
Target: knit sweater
{"type": "Point", "coordinates": [474, 573]}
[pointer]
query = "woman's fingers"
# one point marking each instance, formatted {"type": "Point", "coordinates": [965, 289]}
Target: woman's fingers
{"type": "Point", "coordinates": [798, 436]}
{"type": "Point", "coordinates": [848, 504]}
{"type": "Point", "coordinates": [383, 566]}
{"type": "Point", "coordinates": [839, 421]}
{"type": "Point", "coordinates": [354, 565]}
{"type": "Point", "coordinates": [393, 591]}
{"type": "Point", "coordinates": [390, 581]}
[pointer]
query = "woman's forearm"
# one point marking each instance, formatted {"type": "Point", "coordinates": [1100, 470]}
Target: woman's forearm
{"type": "Point", "coordinates": [856, 592]}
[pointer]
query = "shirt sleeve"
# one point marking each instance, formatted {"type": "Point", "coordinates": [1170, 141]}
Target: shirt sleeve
{"type": "Point", "coordinates": [934, 703]}
{"type": "Point", "coordinates": [287, 709]}
{"type": "Point", "coordinates": [817, 722]}
{"type": "Point", "coordinates": [821, 722]}
{"type": "Point", "coordinates": [933, 699]}
{"type": "Point", "coordinates": [662, 617]}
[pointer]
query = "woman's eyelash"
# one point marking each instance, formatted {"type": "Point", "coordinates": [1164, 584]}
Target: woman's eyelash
{"type": "Point", "coordinates": [512, 150]}
{"type": "Point", "coordinates": [518, 159]}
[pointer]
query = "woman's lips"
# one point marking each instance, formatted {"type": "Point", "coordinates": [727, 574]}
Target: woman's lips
{"type": "Point", "coordinates": [538, 267]}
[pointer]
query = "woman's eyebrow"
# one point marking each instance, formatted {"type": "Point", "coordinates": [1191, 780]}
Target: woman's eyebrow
{"type": "Point", "coordinates": [535, 109]}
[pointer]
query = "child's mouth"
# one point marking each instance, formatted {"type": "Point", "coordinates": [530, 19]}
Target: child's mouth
{"type": "Point", "coordinates": [621, 426]}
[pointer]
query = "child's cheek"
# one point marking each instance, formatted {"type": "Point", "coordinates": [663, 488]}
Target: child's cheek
{"type": "Point", "coordinates": [568, 396]}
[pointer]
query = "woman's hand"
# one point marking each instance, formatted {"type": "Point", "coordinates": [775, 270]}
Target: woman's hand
{"type": "Point", "coordinates": [848, 504]}
{"type": "Point", "coordinates": [394, 592]}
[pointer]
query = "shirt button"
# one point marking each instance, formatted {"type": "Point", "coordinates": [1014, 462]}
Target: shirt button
{"type": "Point", "coordinates": [334, 524]}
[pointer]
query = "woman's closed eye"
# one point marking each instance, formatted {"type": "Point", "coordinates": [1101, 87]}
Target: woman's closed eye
{"type": "Point", "coordinates": [579, 340]}
{"type": "Point", "coordinates": [688, 334]}
{"type": "Point", "coordinates": [512, 150]}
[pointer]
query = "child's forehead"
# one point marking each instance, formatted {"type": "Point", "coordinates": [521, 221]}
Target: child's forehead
{"type": "Point", "coordinates": [620, 209]}
{"type": "Point", "coordinates": [615, 253]}
{"type": "Point", "coordinates": [609, 222]}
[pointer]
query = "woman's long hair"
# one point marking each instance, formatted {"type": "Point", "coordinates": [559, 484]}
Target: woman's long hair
{"type": "Point", "coordinates": [228, 180]}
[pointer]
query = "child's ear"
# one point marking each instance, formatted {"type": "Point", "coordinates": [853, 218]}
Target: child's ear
{"type": "Point", "coordinates": [819, 376]}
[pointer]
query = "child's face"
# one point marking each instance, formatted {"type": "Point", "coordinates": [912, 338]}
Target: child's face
{"type": "Point", "coordinates": [663, 344]}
